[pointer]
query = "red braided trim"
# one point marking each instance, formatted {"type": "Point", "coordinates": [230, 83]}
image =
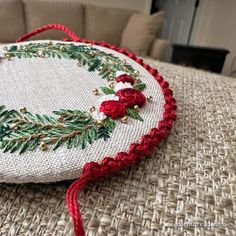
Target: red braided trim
{"type": "Point", "coordinates": [92, 171]}
{"type": "Point", "coordinates": [63, 28]}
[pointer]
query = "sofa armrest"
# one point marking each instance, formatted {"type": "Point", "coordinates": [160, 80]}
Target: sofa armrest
{"type": "Point", "coordinates": [158, 49]}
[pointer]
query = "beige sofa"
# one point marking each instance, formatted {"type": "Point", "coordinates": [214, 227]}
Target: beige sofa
{"type": "Point", "coordinates": [92, 22]}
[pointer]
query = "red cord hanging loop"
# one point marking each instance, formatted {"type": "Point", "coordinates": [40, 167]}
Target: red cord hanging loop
{"type": "Point", "coordinates": [60, 27]}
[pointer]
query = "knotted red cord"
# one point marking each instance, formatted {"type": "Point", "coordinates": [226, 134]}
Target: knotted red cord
{"type": "Point", "coordinates": [92, 171]}
{"type": "Point", "coordinates": [72, 205]}
{"type": "Point", "coordinates": [60, 27]}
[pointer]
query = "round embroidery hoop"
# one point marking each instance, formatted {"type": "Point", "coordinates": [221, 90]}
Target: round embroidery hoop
{"type": "Point", "coordinates": [65, 163]}
{"type": "Point", "coordinates": [138, 139]}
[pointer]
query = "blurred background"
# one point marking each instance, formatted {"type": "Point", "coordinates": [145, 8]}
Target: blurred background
{"type": "Point", "coordinates": [195, 33]}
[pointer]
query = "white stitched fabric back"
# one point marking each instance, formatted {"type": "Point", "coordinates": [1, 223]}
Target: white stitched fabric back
{"type": "Point", "coordinates": [44, 85]}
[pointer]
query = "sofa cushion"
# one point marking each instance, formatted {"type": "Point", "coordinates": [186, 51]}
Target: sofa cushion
{"type": "Point", "coordinates": [41, 12]}
{"type": "Point", "coordinates": [105, 24]}
{"type": "Point", "coordinates": [12, 23]}
{"type": "Point", "coordinates": [141, 31]}
{"type": "Point", "coordinates": [159, 48]}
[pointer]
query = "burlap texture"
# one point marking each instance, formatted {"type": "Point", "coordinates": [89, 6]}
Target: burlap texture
{"type": "Point", "coordinates": [186, 185]}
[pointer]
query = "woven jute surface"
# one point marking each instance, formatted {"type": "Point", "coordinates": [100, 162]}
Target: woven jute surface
{"type": "Point", "coordinates": [187, 187]}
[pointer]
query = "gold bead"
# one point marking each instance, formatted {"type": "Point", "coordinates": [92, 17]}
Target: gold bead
{"type": "Point", "coordinates": [40, 53]}
{"type": "Point", "coordinates": [92, 109]}
{"type": "Point", "coordinates": [100, 123]}
{"type": "Point", "coordinates": [13, 126]}
{"type": "Point", "coordinates": [136, 108]}
{"type": "Point", "coordinates": [62, 49]}
{"type": "Point", "coordinates": [23, 110]}
{"type": "Point", "coordinates": [110, 78]}
{"type": "Point", "coordinates": [8, 57]}
{"type": "Point", "coordinates": [95, 91]}
{"type": "Point", "coordinates": [124, 120]}
{"type": "Point", "coordinates": [60, 119]}
{"type": "Point", "coordinates": [150, 99]}
{"type": "Point", "coordinates": [24, 138]}
{"type": "Point", "coordinates": [111, 85]}
{"type": "Point", "coordinates": [43, 146]}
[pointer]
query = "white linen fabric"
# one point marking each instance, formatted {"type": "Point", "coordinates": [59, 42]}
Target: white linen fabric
{"type": "Point", "coordinates": [44, 85]}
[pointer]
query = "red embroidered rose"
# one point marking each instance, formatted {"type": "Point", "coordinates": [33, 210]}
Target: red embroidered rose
{"type": "Point", "coordinates": [125, 78]}
{"type": "Point", "coordinates": [113, 109]}
{"type": "Point", "coordinates": [131, 97]}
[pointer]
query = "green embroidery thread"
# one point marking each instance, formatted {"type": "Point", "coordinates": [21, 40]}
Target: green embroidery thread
{"type": "Point", "coordinates": [105, 63]}
{"type": "Point", "coordinates": [23, 131]}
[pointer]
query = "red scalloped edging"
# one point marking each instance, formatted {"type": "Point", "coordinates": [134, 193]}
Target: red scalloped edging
{"type": "Point", "coordinates": [93, 170]}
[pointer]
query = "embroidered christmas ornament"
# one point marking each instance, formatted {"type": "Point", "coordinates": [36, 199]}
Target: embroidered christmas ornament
{"type": "Point", "coordinates": [77, 109]}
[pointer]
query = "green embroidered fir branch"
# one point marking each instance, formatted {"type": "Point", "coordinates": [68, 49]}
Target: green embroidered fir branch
{"type": "Point", "coordinates": [25, 131]}
{"type": "Point", "coordinates": [105, 63]}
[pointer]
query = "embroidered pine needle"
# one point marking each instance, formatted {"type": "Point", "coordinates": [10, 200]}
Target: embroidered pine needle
{"type": "Point", "coordinates": [23, 131]}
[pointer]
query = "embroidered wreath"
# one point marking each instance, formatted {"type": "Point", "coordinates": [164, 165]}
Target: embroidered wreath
{"type": "Point", "coordinates": [22, 131]}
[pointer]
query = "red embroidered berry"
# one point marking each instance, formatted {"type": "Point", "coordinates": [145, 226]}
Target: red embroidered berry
{"type": "Point", "coordinates": [131, 97]}
{"type": "Point", "coordinates": [113, 109]}
{"type": "Point", "coordinates": [125, 78]}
